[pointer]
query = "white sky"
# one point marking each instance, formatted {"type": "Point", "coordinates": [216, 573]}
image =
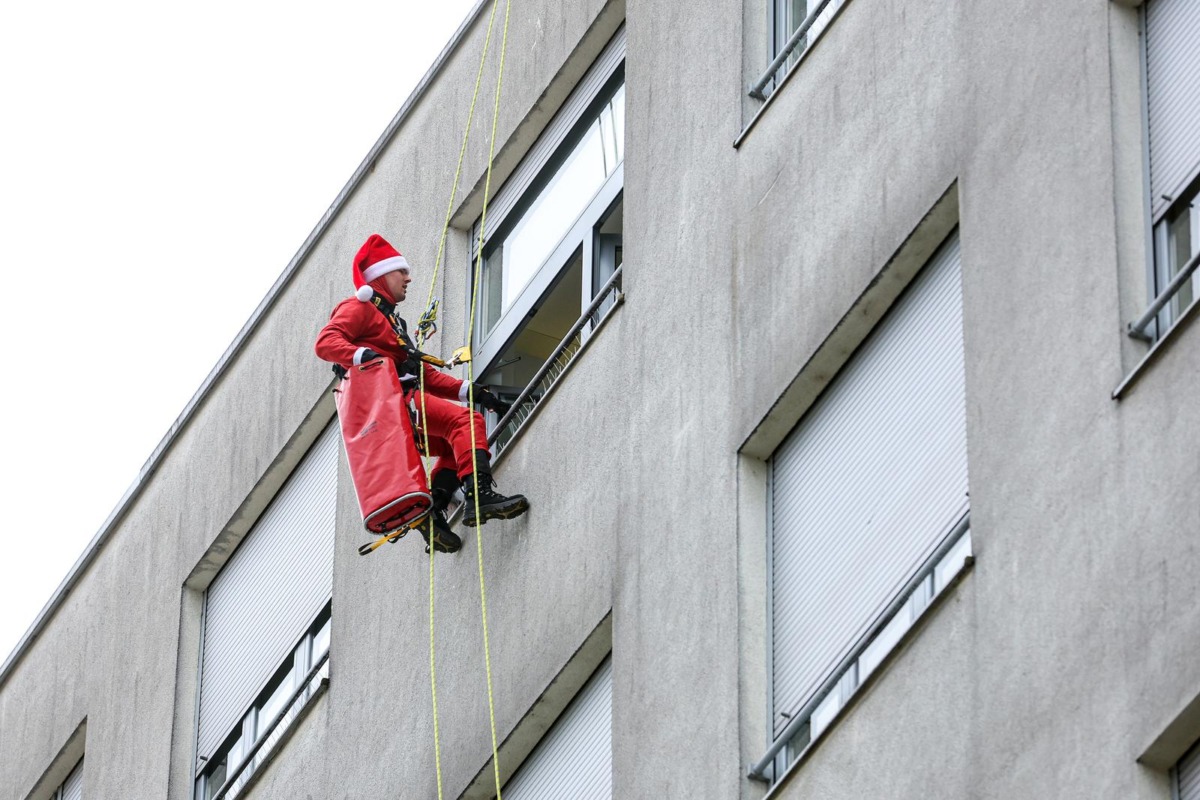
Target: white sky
{"type": "Point", "coordinates": [160, 164]}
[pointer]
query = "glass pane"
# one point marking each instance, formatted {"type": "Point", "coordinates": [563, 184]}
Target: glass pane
{"type": "Point", "coordinates": [952, 563]}
{"type": "Point", "coordinates": [216, 778]}
{"type": "Point", "coordinates": [553, 213]}
{"type": "Point", "coordinates": [877, 650]}
{"type": "Point", "coordinates": [825, 713]}
{"type": "Point", "coordinates": [793, 13]}
{"type": "Point", "coordinates": [535, 343]}
{"type": "Point", "coordinates": [490, 291]}
{"type": "Point", "coordinates": [788, 16]}
{"type": "Point", "coordinates": [618, 107]}
{"type": "Point", "coordinates": [1179, 244]}
{"type": "Point", "coordinates": [321, 641]}
{"type": "Point", "coordinates": [275, 702]}
{"type": "Point", "coordinates": [511, 264]}
{"type": "Point", "coordinates": [608, 140]}
{"type": "Point", "coordinates": [609, 232]}
{"type": "Point", "coordinates": [222, 765]}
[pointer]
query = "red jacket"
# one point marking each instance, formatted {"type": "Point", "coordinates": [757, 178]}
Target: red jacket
{"type": "Point", "coordinates": [355, 325]}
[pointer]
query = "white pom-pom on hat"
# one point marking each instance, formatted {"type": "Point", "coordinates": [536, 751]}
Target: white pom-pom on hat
{"type": "Point", "coordinates": [364, 293]}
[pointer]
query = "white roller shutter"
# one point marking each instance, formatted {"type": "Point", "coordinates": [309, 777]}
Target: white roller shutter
{"type": "Point", "coordinates": [868, 483]}
{"type": "Point", "coordinates": [582, 96]}
{"type": "Point", "coordinates": [72, 788]}
{"type": "Point", "coordinates": [574, 758]}
{"type": "Point", "coordinates": [271, 589]}
{"type": "Point", "coordinates": [1187, 773]}
{"type": "Point", "coordinates": [1172, 96]}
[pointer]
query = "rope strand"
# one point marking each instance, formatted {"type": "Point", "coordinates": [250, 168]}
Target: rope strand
{"type": "Point", "coordinates": [487, 184]}
{"type": "Point", "coordinates": [437, 750]}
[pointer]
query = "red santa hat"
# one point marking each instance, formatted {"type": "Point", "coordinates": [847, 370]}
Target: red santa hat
{"type": "Point", "coordinates": [375, 259]}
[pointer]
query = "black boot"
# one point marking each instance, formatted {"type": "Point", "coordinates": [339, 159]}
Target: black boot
{"type": "Point", "coordinates": [492, 504]}
{"type": "Point", "coordinates": [445, 540]}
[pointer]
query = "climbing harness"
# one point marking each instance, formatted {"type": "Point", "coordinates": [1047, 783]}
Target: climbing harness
{"type": "Point", "coordinates": [427, 323]}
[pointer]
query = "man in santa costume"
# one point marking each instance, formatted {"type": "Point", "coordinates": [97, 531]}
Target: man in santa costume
{"type": "Point", "coordinates": [357, 332]}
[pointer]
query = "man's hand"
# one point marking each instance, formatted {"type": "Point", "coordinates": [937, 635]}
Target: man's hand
{"type": "Point", "coordinates": [485, 398]}
{"type": "Point", "coordinates": [368, 355]}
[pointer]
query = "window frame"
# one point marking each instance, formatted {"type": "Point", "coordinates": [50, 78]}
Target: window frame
{"type": "Point", "coordinates": [864, 656]}
{"type": "Point", "coordinates": [60, 793]}
{"type": "Point", "coordinates": [1175, 778]}
{"type": "Point", "coordinates": [546, 739]}
{"type": "Point", "coordinates": [254, 742]}
{"type": "Point", "coordinates": [488, 346]}
{"type": "Point", "coordinates": [786, 53]}
{"type": "Point", "coordinates": [285, 603]}
{"type": "Point", "coordinates": [1156, 323]}
{"type": "Point", "coordinates": [1160, 262]}
{"type": "Point", "coordinates": [953, 557]}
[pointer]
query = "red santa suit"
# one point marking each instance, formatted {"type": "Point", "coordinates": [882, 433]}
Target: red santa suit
{"type": "Point", "coordinates": [354, 327]}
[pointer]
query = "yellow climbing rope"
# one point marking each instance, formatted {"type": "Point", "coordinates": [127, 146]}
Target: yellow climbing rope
{"type": "Point", "coordinates": [470, 392]}
{"type": "Point", "coordinates": [487, 185]}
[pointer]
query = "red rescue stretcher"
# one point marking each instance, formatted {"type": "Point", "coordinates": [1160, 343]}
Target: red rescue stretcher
{"type": "Point", "coordinates": [377, 430]}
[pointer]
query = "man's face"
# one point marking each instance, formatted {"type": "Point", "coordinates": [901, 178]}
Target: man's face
{"type": "Point", "coordinates": [397, 283]}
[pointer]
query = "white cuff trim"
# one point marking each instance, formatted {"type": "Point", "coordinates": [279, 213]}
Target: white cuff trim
{"type": "Point", "coordinates": [462, 392]}
{"type": "Point", "coordinates": [384, 267]}
{"type": "Point", "coordinates": [358, 354]}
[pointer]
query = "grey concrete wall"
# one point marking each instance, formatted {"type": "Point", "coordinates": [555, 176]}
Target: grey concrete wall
{"type": "Point", "coordinates": [1080, 614]}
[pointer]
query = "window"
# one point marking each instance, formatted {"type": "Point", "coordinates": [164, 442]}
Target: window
{"type": "Point", "coordinates": [868, 510]}
{"type": "Point", "coordinates": [793, 26]}
{"type": "Point", "coordinates": [1173, 153]}
{"type": "Point", "coordinates": [574, 758]}
{"type": "Point", "coordinates": [511, 262]}
{"type": "Point", "coordinates": [293, 685]}
{"type": "Point", "coordinates": [551, 271]}
{"type": "Point", "coordinates": [1185, 777]}
{"type": "Point", "coordinates": [267, 626]}
{"type": "Point", "coordinates": [72, 787]}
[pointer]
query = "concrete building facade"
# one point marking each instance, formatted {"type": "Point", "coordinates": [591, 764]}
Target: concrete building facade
{"type": "Point", "coordinates": [729, 584]}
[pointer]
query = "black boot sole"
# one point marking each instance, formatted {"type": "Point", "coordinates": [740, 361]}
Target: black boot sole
{"type": "Point", "coordinates": [442, 547]}
{"type": "Point", "coordinates": [516, 508]}
{"type": "Point", "coordinates": [444, 540]}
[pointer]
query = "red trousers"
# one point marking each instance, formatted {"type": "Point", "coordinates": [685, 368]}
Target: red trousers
{"type": "Point", "coordinates": [449, 428]}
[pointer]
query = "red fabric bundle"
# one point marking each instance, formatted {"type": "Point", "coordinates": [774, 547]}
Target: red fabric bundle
{"type": "Point", "coordinates": [384, 463]}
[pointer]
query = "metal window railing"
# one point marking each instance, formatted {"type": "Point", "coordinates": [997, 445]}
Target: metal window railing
{"type": "Point", "coordinates": [527, 402]}
{"type": "Point", "coordinates": [236, 781]}
{"type": "Point", "coordinates": [785, 52]}
{"type": "Point", "coordinates": [758, 770]}
{"type": "Point", "coordinates": [1137, 328]}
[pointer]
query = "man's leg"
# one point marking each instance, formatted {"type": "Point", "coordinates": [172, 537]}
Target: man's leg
{"type": "Point", "coordinates": [452, 423]}
{"type": "Point", "coordinates": [442, 483]}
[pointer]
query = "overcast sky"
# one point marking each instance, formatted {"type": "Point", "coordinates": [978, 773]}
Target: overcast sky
{"type": "Point", "coordinates": [160, 164]}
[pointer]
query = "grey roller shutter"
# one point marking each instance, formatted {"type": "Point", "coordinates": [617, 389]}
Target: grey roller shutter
{"type": "Point", "coordinates": [1172, 96]}
{"type": "Point", "coordinates": [1187, 772]}
{"type": "Point", "coordinates": [868, 483]}
{"type": "Point", "coordinates": [582, 96]}
{"type": "Point", "coordinates": [72, 788]}
{"type": "Point", "coordinates": [261, 603]}
{"type": "Point", "coordinates": [574, 758]}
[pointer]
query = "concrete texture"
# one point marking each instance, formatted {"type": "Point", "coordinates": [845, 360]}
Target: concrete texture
{"type": "Point", "coordinates": [1062, 658]}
